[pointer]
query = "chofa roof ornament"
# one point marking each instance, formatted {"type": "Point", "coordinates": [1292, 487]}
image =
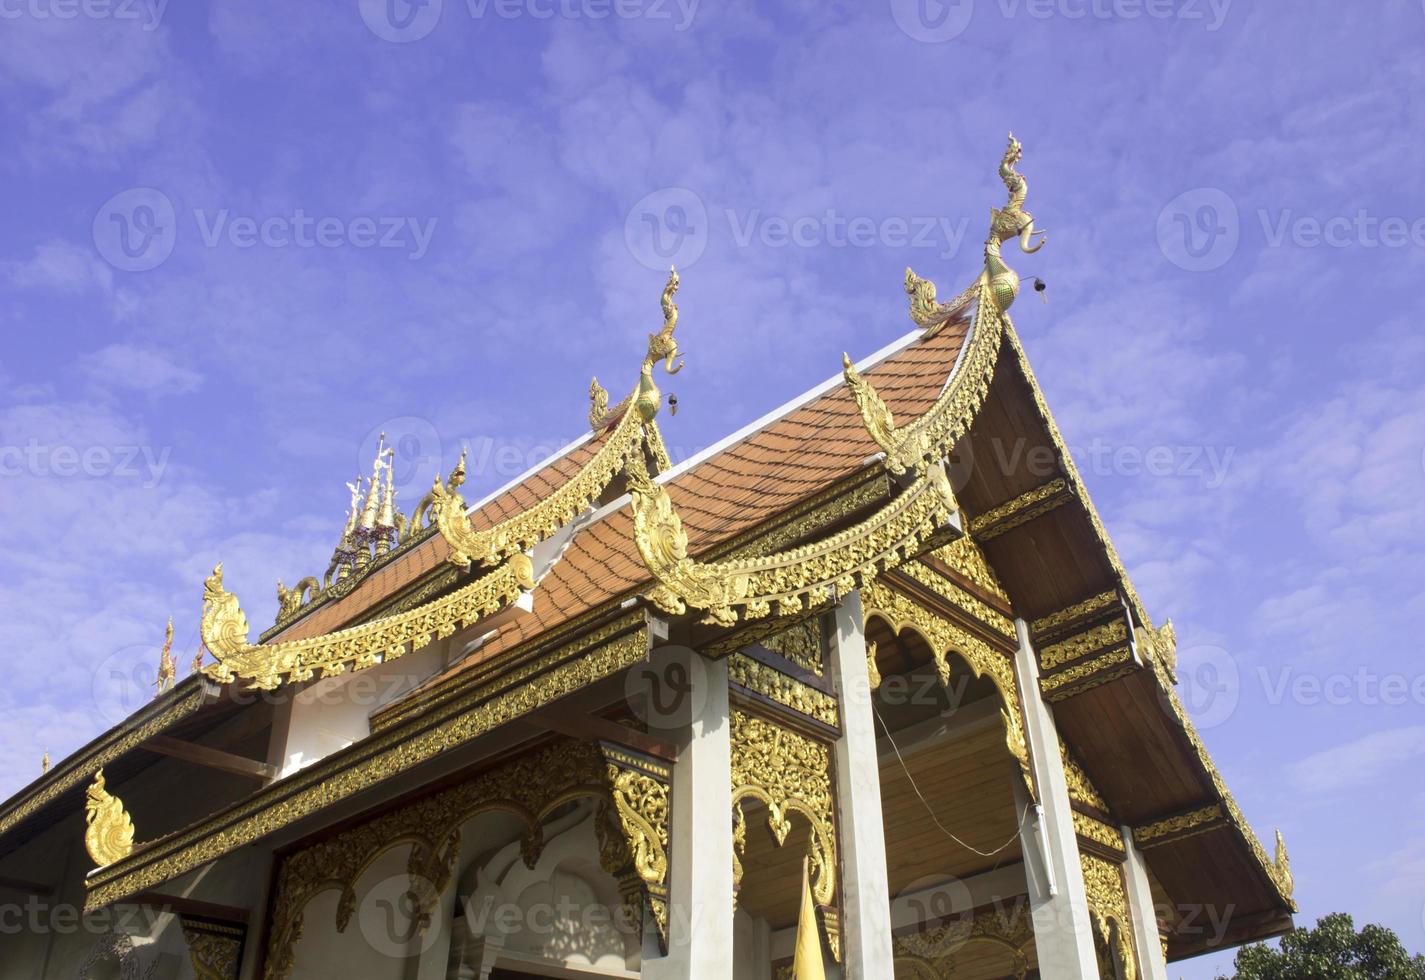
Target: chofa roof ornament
{"type": "Point", "coordinates": [1010, 221]}
{"type": "Point", "coordinates": [929, 438]}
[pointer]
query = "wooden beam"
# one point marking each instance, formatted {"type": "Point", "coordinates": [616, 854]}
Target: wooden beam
{"type": "Point", "coordinates": [189, 906]}
{"type": "Point", "coordinates": [593, 727]}
{"type": "Point", "coordinates": [203, 755]}
{"type": "Point", "coordinates": [26, 887]}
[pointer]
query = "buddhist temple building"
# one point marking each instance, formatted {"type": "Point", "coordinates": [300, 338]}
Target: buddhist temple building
{"type": "Point", "coordinates": [839, 696]}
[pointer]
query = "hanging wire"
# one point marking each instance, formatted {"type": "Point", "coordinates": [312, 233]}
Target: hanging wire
{"type": "Point", "coordinates": [1023, 817]}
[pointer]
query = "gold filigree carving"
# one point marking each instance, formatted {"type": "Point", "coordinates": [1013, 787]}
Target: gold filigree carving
{"type": "Point", "coordinates": [389, 752]}
{"type": "Point", "coordinates": [1056, 621]}
{"type": "Point", "coordinates": [1021, 510]}
{"type": "Point", "coordinates": [929, 438]}
{"type": "Point", "coordinates": [109, 832]}
{"type": "Point", "coordinates": [530, 787]}
{"type": "Point", "coordinates": [1081, 788]}
{"type": "Point", "coordinates": [1179, 826]}
{"type": "Point", "coordinates": [1097, 831]}
{"type": "Point", "coordinates": [789, 773]}
{"type": "Point", "coordinates": [1100, 670]}
{"type": "Point", "coordinates": [968, 558]}
{"type": "Point", "coordinates": [1108, 909]}
{"type": "Point", "coordinates": [935, 953]}
{"type": "Point", "coordinates": [800, 643]}
{"type": "Point", "coordinates": [1080, 645]}
{"type": "Point", "coordinates": [598, 405]}
{"type": "Point", "coordinates": [267, 666]}
{"type": "Point", "coordinates": [829, 568]}
{"type": "Point", "coordinates": [786, 691]}
{"type": "Point", "coordinates": [488, 546]}
{"type": "Point", "coordinates": [943, 638]}
{"type": "Point", "coordinates": [957, 596]}
{"type": "Point", "coordinates": [213, 950]}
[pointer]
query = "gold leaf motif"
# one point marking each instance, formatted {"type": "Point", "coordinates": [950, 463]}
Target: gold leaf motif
{"type": "Point", "coordinates": [267, 666]}
{"type": "Point", "coordinates": [789, 773]}
{"type": "Point", "coordinates": [785, 690]}
{"type": "Point", "coordinates": [1108, 910]}
{"type": "Point", "coordinates": [930, 437]}
{"type": "Point", "coordinates": [109, 832]}
{"type": "Point", "coordinates": [791, 579]}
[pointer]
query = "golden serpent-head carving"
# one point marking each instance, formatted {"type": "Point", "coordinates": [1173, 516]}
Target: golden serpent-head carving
{"type": "Point", "coordinates": [109, 833]}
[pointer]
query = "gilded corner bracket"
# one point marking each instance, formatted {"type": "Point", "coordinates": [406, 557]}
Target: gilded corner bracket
{"type": "Point", "coordinates": [639, 790]}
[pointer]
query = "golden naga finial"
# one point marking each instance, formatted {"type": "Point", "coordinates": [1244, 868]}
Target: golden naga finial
{"type": "Point", "coordinates": [662, 346]}
{"type": "Point", "coordinates": [109, 832]}
{"type": "Point", "coordinates": [197, 662]}
{"type": "Point", "coordinates": [598, 405]}
{"type": "Point", "coordinates": [44, 763]}
{"type": "Point", "coordinates": [1010, 221]}
{"type": "Point", "coordinates": [167, 667]}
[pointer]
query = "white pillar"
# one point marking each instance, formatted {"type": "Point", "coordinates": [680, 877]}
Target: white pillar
{"type": "Point", "coordinates": [865, 891]}
{"type": "Point", "coordinates": [1063, 932]}
{"type": "Point", "coordinates": [700, 907]}
{"type": "Point", "coordinates": [1152, 964]}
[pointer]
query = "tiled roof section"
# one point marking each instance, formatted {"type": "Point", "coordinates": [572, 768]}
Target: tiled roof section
{"type": "Point", "coordinates": [749, 482]}
{"type": "Point", "coordinates": [530, 491]}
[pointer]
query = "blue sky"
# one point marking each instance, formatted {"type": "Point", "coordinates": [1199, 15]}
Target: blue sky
{"type": "Point", "coordinates": [239, 239]}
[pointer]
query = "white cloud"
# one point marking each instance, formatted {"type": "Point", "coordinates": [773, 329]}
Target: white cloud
{"type": "Point", "coordinates": [1361, 762]}
{"type": "Point", "coordinates": [62, 267]}
{"type": "Point", "coordinates": [125, 366]}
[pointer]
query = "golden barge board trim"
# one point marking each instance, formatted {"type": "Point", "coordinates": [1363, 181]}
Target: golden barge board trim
{"type": "Point", "coordinates": [1172, 829]}
{"type": "Point", "coordinates": [787, 691]}
{"type": "Point", "coordinates": [1080, 645]}
{"type": "Point", "coordinates": [491, 545]}
{"type": "Point", "coordinates": [1277, 871]}
{"type": "Point", "coordinates": [151, 720]}
{"type": "Point", "coordinates": [1021, 510]}
{"type": "Point", "coordinates": [1088, 674]}
{"type": "Point", "coordinates": [945, 637]}
{"type": "Point", "coordinates": [834, 566]}
{"type": "Point", "coordinates": [266, 667]}
{"type": "Point", "coordinates": [931, 436]}
{"type": "Point", "coordinates": [369, 762]}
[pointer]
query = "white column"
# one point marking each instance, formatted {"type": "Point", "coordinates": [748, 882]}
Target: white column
{"type": "Point", "coordinates": [865, 891]}
{"type": "Point", "coordinates": [1152, 964]}
{"type": "Point", "coordinates": [700, 908]}
{"type": "Point", "coordinates": [1063, 932]}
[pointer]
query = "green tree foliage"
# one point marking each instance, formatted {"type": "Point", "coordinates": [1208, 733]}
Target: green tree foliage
{"type": "Point", "coordinates": [1334, 950]}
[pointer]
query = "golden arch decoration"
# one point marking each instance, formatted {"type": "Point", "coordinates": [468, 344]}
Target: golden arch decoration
{"type": "Point", "coordinates": [944, 637]}
{"type": "Point", "coordinates": [632, 828]}
{"type": "Point", "coordinates": [789, 773]}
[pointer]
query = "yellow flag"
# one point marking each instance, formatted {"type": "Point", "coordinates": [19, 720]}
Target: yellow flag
{"type": "Point", "coordinates": [808, 964]}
